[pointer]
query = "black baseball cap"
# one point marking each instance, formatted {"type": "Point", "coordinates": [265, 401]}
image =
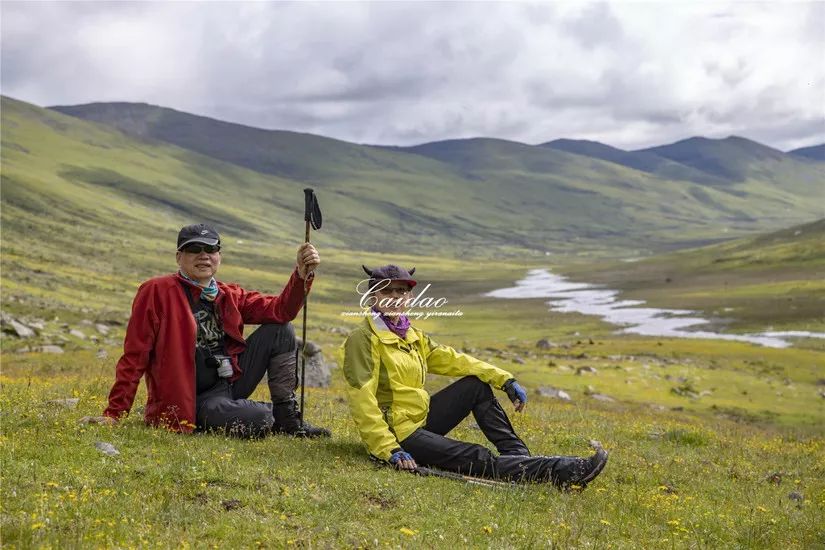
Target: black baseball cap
{"type": "Point", "coordinates": [198, 233]}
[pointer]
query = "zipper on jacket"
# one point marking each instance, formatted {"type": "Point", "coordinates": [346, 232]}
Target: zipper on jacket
{"type": "Point", "coordinates": [404, 346]}
{"type": "Point", "coordinates": [421, 364]}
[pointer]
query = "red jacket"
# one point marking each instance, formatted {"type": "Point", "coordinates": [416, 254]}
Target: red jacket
{"type": "Point", "coordinates": [160, 343]}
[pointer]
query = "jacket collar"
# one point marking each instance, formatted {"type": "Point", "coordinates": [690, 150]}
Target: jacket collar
{"type": "Point", "coordinates": [379, 327]}
{"type": "Point", "coordinates": [196, 290]}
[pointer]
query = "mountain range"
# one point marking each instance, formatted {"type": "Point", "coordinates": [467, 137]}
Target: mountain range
{"type": "Point", "coordinates": [469, 195]}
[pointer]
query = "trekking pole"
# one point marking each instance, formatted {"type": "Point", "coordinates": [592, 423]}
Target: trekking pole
{"type": "Point", "coordinates": [312, 218]}
{"type": "Point", "coordinates": [432, 472]}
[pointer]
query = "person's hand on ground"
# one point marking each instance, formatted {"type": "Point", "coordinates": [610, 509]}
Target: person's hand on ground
{"type": "Point", "coordinates": [402, 460]}
{"type": "Point", "coordinates": [516, 394]}
{"type": "Point", "coordinates": [307, 260]}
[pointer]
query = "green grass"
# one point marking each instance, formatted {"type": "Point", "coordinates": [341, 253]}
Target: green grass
{"type": "Point", "coordinates": [673, 480]}
{"type": "Point", "coordinates": [772, 280]}
{"type": "Point", "coordinates": [683, 472]}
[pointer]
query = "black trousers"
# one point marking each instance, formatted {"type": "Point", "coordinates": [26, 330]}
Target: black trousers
{"type": "Point", "coordinates": [429, 445]}
{"type": "Point", "coordinates": [269, 349]}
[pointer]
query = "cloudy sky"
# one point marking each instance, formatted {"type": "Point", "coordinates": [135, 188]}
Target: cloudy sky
{"type": "Point", "coordinates": [627, 74]}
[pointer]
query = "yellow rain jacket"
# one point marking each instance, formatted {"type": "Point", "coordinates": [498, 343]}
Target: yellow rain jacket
{"type": "Point", "coordinates": [385, 377]}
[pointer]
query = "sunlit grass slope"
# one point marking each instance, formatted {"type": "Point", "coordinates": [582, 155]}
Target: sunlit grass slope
{"type": "Point", "coordinates": [739, 466]}
{"type": "Point", "coordinates": [773, 280]}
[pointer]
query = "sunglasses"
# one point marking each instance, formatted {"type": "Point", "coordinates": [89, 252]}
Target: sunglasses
{"type": "Point", "coordinates": [198, 248]}
{"type": "Point", "coordinates": [402, 290]}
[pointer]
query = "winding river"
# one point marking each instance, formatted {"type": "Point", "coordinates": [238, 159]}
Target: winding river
{"type": "Point", "coordinates": [569, 296]}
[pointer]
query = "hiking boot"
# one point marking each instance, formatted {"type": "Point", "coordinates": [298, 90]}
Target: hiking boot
{"type": "Point", "coordinates": [288, 421]}
{"type": "Point", "coordinates": [576, 475]}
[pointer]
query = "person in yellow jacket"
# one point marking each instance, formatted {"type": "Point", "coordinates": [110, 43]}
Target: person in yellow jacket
{"type": "Point", "coordinates": [386, 362]}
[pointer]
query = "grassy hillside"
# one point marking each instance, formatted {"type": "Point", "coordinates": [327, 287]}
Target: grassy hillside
{"type": "Point", "coordinates": [739, 464]}
{"type": "Point", "coordinates": [90, 177]}
{"type": "Point", "coordinates": [602, 197]}
{"type": "Point", "coordinates": [773, 280]}
{"type": "Point", "coordinates": [302, 156]}
{"type": "Point", "coordinates": [88, 211]}
{"type": "Point", "coordinates": [815, 152]}
{"type": "Point", "coordinates": [487, 191]}
{"type": "Point", "coordinates": [735, 159]}
{"type": "Point", "coordinates": [638, 160]}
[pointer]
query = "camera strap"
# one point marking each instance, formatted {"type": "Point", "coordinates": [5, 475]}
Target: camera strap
{"type": "Point", "coordinates": [210, 308]}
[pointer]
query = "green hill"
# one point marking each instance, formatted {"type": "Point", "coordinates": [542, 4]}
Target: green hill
{"type": "Point", "coordinates": [305, 157]}
{"type": "Point", "coordinates": [485, 191]}
{"type": "Point", "coordinates": [771, 280]}
{"type": "Point", "coordinates": [87, 210]}
{"type": "Point", "coordinates": [638, 160]}
{"type": "Point", "coordinates": [602, 197]}
{"type": "Point", "coordinates": [815, 152]}
{"type": "Point", "coordinates": [736, 159]}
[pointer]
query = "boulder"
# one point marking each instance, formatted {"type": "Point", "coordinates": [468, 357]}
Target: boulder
{"type": "Point", "coordinates": [318, 373]}
{"type": "Point", "coordinates": [20, 330]}
{"type": "Point", "coordinates": [586, 370]}
{"type": "Point", "coordinates": [102, 329]}
{"type": "Point", "coordinates": [555, 393]}
{"type": "Point", "coordinates": [311, 347]}
{"type": "Point", "coordinates": [602, 397]}
{"type": "Point", "coordinates": [544, 343]}
{"type": "Point", "coordinates": [106, 448]}
{"type": "Point", "coordinates": [77, 334]}
{"type": "Point", "coordinates": [49, 348]}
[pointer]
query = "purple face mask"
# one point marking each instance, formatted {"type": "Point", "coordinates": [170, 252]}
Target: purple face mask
{"type": "Point", "coordinates": [398, 325]}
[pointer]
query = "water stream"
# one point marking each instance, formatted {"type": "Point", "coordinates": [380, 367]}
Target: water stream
{"type": "Point", "coordinates": [568, 296]}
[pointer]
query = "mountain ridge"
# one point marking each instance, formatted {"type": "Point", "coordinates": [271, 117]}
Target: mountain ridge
{"type": "Point", "coordinates": [484, 191]}
{"type": "Point", "coordinates": [814, 152]}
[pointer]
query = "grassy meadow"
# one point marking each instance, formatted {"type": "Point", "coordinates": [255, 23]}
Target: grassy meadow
{"type": "Point", "coordinates": [739, 466]}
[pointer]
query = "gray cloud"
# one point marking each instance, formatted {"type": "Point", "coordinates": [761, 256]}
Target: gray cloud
{"type": "Point", "coordinates": [631, 75]}
{"type": "Point", "coordinates": [595, 26]}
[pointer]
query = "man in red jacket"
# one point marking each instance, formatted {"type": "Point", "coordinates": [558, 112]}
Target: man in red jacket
{"type": "Point", "coordinates": [185, 335]}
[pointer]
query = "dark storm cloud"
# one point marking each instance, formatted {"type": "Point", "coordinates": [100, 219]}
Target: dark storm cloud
{"type": "Point", "coordinates": [398, 73]}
